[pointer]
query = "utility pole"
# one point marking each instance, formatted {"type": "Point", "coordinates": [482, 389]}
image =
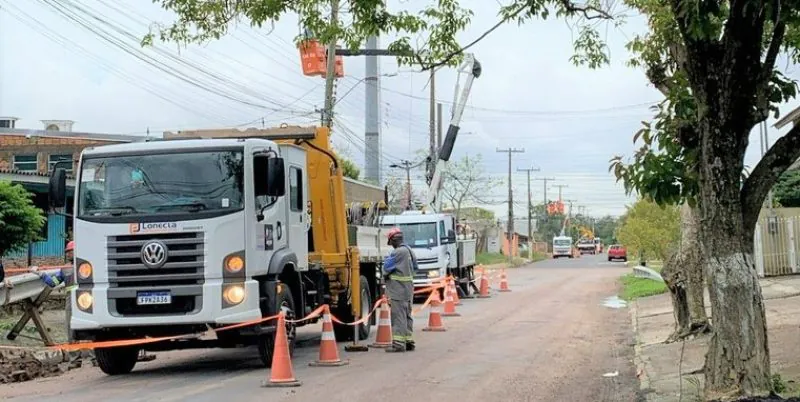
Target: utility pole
{"type": "Point", "coordinates": [510, 151]}
{"type": "Point", "coordinates": [439, 129]}
{"type": "Point", "coordinates": [530, 208]}
{"type": "Point", "coordinates": [545, 180]}
{"type": "Point", "coordinates": [569, 214]}
{"type": "Point", "coordinates": [407, 166]}
{"type": "Point", "coordinates": [372, 125]}
{"type": "Point", "coordinates": [560, 186]}
{"type": "Point", "coordinates": [330, 75]}
{"type": "Point", "coordinates": [432, 148]}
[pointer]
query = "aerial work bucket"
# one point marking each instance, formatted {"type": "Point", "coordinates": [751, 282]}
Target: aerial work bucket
{"type": "Point", "coordinates": [314, 59]}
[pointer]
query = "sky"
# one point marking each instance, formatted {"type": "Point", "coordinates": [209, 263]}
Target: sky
{"type": "Point", "coordinates": [569, 120]}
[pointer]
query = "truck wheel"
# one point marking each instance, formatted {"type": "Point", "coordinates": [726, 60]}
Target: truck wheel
{"type": "Point", "coordinates": [344, 333]}
{"type": "Point", "coordinates": [116, 361]}
{"type": "Point", "coordinates": [266, 342]}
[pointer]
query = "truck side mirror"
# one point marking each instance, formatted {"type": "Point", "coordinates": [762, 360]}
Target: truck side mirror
{"type": "Point", "coordinates": [57, 191]}
{"type": "Point", "coordinates": [269, 176]}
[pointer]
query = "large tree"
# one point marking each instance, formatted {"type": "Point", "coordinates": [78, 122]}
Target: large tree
{"type": "Point", "coordinates": [20, 221]}
{"type": "Point", "coordinates": [715, 62]}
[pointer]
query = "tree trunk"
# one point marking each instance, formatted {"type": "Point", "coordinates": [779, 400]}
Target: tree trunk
{"type": "Point", "coordinates": [683, 274]}
{"type": "Point", "coordinates": [737, 362]}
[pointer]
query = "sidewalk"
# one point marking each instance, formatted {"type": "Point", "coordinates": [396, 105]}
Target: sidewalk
{"type": "Point", "coordinates": [658, 363]}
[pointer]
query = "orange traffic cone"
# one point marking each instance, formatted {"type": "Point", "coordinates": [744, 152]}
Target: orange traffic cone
{"type": "Point", "coordinates": [449, 306]}
{"type": "Point", "coordinates": [454, 291]}
{"type": "Point", "coordinates": [281, 374]}
{"type": "Point", "coordinates": [484, 293]}
{"type": "Point", "coordinates": [435, 315]}
{"type": "Point", "coordinates": [504, 281]}
{"type": "Point", "coordinates": [328, 351]}
{"type": "Point", "coordinates": [384, 337]}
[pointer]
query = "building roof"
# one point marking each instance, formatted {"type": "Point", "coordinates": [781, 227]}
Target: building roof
{"type": "Point", "coordinates": [72, 135]}
{"type": "Point", "coordinates": [22, 176]}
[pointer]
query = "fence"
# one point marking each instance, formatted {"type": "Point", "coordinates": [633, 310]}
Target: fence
{"type": "Point", "coordinates": [777, 245]}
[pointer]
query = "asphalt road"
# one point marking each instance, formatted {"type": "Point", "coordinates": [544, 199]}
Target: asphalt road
{"type": "Point", "coordinates": [550, 339]}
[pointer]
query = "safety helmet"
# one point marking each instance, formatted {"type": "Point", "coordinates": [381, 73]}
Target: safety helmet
{"type": "Point", "coordinates": [70, 246]}
{"type": "Point", "coordinates": [392, 233]}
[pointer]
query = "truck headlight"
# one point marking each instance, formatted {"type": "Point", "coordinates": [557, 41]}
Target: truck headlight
{"type": "Point", "coordinates": [234, 264]}
{"type": "Point", "coordinates": [233, 294]}
{"type": "Point", "coordinates": [85, 300]}
{"type": "Point", "coordinates": [85, 271]}
{"type": "Point", "coordinates": [433, 274]}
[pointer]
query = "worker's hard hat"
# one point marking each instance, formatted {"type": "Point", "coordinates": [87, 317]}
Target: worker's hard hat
{"type": "Point", "coordinates": [393, 232]}
{"type": "Point", "coordinates": [70, 246]}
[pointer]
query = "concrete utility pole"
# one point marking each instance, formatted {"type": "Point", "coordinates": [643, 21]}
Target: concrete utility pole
{"type": "Point", "coordinates": [530, 207]}
{"type": "Point", "coordinates": [560, 187]}
{"type": "Point", "coordinates": [432, 148]}
{"type": "Point", "coordinates": [569, 214]}
{"type": "Point", "coordinates": [510, 202]}
{"type": "Point", "coordinates": [330, 74]}
{"type": "Point", "coordinates": [372, 125]}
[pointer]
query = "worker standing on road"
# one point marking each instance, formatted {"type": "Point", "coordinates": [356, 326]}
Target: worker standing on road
{"type": "Point", "coordinates": [399, 271]}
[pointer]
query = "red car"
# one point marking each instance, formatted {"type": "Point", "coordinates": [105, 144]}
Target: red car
{"type": "Point", "coordinates": [617, 252]}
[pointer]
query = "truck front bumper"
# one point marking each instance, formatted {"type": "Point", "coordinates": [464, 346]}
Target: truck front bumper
{"type": "Point", "coordinates": [206, 307]}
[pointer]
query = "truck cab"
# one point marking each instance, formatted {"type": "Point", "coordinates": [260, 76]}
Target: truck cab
{"type": "Point", "coordinates": [562, 246]}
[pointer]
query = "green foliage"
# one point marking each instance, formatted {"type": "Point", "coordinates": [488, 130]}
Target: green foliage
{"type": "Point", "coordinates": [634, 288]}
{"type": "Point", "coordinates": [349, 169]}
{"type": "Point", "coordinates": [435, 24]}
{"type": "Point", "coordinates": [665, 166]}
{"type": "Point", "coordinates": [20, 220]}
{"type": "Point", "coordinates": [651, 229]}
{"type": "Point", "coordinates": [490, 258]}
{"type": "Point", "coordinates": [787, 190]}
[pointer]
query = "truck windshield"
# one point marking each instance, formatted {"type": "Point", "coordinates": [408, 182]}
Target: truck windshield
{"type": "Point", "coordinates": [180, 183]}
{"type": "Point", "coordinates": [562, 242]}
{"type": "Point", "coordinates": [419, 235]}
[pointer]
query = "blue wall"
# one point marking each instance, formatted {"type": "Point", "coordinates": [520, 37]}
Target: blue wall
{"type": "Point", "coordinates": [53, 246]}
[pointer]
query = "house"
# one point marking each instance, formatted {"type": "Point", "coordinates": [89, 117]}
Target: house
{"type": "Point", "coordinates": [27, 157]}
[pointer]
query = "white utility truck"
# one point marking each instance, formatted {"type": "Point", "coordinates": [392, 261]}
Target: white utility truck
{"type": "Point", "coordinates": [562, 246]}
{"type": "Point", "coordinates": [173, 237]}
{"type": "Point", "coordinates": [429, 232]}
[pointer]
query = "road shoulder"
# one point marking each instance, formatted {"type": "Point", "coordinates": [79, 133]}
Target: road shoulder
{"type": "Point", "coordinates": [667, 371]}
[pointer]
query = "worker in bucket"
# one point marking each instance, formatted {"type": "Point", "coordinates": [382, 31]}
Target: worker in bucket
{"type": "Point", "coordinates": [398, 270]}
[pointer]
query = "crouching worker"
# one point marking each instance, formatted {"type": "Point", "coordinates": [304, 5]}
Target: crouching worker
{"type": "Point", "coordinates": [399, 274]}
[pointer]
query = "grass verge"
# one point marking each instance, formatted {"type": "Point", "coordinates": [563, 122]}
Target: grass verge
{"type": "Point", "coordinates": [634, 288]}
{"type": "Point", "coordinates": [490, 258]}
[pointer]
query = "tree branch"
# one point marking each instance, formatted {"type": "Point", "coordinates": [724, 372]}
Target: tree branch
{"type": "Point", "coordinates": [778, 158]}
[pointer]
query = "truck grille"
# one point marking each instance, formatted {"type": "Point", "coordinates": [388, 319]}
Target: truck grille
{"type": "Point", "coordinates": [184, 264]}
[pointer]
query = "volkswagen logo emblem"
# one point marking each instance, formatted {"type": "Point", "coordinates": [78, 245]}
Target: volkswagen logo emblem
{"type": "Point", "coordinates": [154, 254]}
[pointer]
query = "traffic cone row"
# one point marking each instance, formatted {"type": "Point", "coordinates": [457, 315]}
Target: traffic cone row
{"type": "Point", "coordinates": [281, 374]}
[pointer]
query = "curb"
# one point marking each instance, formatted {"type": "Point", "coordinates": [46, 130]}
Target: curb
{"type": "Point", "coordinates": [638, 357]}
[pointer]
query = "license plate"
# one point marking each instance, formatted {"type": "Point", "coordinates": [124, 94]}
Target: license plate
{"type": "Point", "coordinates": [148, 298]}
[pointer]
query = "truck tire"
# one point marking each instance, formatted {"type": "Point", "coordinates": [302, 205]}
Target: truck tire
{"type": "Point", "coordinates": [117, 361]}
{"type": "Point", "coordinates": [344, 333]}
{"type": "Point", "coordinates": [266, 342]}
